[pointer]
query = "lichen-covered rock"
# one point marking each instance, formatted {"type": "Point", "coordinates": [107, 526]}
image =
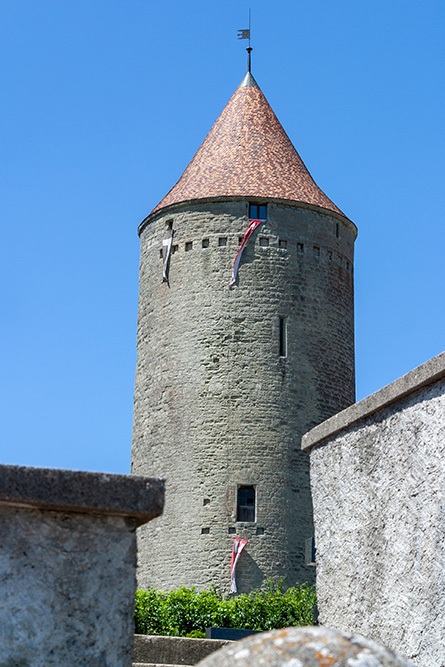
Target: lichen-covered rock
{"type": "Point", "coordinates": [305, 647]}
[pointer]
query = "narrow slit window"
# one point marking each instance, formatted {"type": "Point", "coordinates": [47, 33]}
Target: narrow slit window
{"type": "Point", "coordinates": [337, 230]}
{"type": "Point", "coordinates": [245, 510]}
{"type": "Point", "coordinates": [283, 337]}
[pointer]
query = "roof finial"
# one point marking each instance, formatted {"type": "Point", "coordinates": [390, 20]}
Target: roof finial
{"type": "Point", "coordinates": [245, 34]}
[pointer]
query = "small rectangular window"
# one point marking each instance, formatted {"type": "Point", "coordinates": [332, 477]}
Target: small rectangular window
{"type": "Point", "coordinates": [205, 243]}
{"type": "Point", "coordinates": [300, 248]}
{"type": "Point", "coordinates": [337, 230]}
{"type": "Point", "coordinates": [245, 510]}
{"type": "Point", "coordinates": [160, 253]}
{"type": "Point", "coordinates": [283, 337]}
{"type": "Point", "coordinates": [316, 251]}
{"type": "Point", "coordinates": [222, 241]}
{"type": "Point", "coordinates": [264, 241]}
{"type": "Point", "coordinates": [175, 248]}
{"type": "Point", "coordinates": [257, 211]}
{"type": "Point", "coordinates": [188, 245]}
{"type": "Point", "coordinates": [282, 243]}
{"type": "Point", "coordinates": [205, 531]}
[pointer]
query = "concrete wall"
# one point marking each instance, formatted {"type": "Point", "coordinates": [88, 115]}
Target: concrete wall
{"type": "Point", "coordinates": [216, 406]}
{"type": "Point", "coordinates": [378, 486]}
{"type": "Point", "coordinates": [67, 565]}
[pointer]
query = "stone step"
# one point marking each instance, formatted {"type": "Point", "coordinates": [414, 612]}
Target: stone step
{"type": "Point", "coordinates": [156, 664]}
{"type": "Point", "coordinates": [158, 650]}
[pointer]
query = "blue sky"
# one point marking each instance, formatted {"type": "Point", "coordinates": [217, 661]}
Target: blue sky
{"type": "Point", "coordinates": [103, 104]}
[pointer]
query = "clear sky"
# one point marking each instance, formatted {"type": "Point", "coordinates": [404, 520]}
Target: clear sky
{"type": "Point", "coordinates": [103, 104]}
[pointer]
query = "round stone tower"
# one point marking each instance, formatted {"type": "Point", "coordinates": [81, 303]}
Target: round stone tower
{"type": "Point", "coordinates": [229, 378]}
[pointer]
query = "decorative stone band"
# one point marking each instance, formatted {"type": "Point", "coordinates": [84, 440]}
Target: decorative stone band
{"type": "Point", "coordinates": [137, 498]}
{"type": "Point", "coordinates": [419, 377]}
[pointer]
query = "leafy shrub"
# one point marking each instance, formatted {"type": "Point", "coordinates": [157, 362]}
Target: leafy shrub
{"type": "Point", "coordinates": [186, 612]}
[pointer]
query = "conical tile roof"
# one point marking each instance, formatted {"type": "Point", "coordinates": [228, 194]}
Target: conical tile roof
{"type": "Point", "coordinates": [247, 153]}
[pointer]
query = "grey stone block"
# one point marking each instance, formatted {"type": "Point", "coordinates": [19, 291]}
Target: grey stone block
{"type": "Point", "coordinates": [137, 498]}
{"type": "Point", "coordinates": [174, 650]}
{"type": "Point", "coordinates": [67, 565]}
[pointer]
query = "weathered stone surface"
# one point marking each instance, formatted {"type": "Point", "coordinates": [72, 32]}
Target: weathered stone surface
{"type": "Point", "coordinates": [67, 578]}
{"type": "Point", "coordinates": [305, 647]}
{"type": "Point", "coordinates": [138, 498]}
{"type": "Point", "coordinates": [426, 374]}
{"type": "Point", "coordinates": [174, 650]}
{"type": "Point", "coordinates": [215, 404]}
{"type": "Point", "coordinates": [378, 489]}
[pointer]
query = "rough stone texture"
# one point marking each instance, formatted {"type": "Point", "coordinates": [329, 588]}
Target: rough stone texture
{"type": "Point", "coordinates": [174, 650]}
{"type": "Point", "coordinates": [305, 647]}
{"type": "Point", "coordinates": [67, 578]}
{"type": "Point", "coordinates": [378, 490]}
{"type": "Point", "coordinates": [138, 498]}
{"type": "Point", "coordinates": [427, 373]}
{"type": "Point", "coordinates": [215, 404]}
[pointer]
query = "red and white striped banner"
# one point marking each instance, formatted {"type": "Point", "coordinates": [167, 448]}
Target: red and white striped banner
{"type": "Point", "coordinates": [238, 546]}
{"type": "Point", "coordinates": [251, 228]}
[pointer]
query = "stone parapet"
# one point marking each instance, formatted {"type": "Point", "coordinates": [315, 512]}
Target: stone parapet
{"type": "Point", "coordinates": [378, 484]}
{"type": "Point", "coordinates": [427, 373]}
{"type": "Point", "coordinates": [67, 564]}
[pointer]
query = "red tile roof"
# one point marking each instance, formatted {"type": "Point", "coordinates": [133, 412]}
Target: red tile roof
{"type": "Point", "coordinates": [247, 153]}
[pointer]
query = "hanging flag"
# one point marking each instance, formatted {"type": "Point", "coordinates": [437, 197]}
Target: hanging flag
{"type": "Point", "coordinates": [251, 228]}
{"type": "Point", "coordinates": [166, 251]}
{"type": "Point", "coordinates": [243, 34]}
{"type": "Point", "coordinates": [238, 546]}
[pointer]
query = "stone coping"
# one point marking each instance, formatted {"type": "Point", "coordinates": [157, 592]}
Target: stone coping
{"type": "Point", "coordinates": [160, 650]}
{"type": "Point", "coordinates": [419, 377]}
{"type": "Point", "coordinates": [130, 496]}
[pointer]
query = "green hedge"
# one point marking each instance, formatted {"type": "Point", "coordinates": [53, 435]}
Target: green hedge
{"type": "Point", "coordinates": [186, 612]}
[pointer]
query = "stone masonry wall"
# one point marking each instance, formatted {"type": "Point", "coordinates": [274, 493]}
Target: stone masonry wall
{"type": "Point", "coordinates": [216, 406]}
{"type": "Point", "coordinates": [378, 489]}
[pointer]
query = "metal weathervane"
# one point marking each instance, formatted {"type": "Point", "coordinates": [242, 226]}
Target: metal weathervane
{"type": "Point", "coordinates": [245, 34]}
